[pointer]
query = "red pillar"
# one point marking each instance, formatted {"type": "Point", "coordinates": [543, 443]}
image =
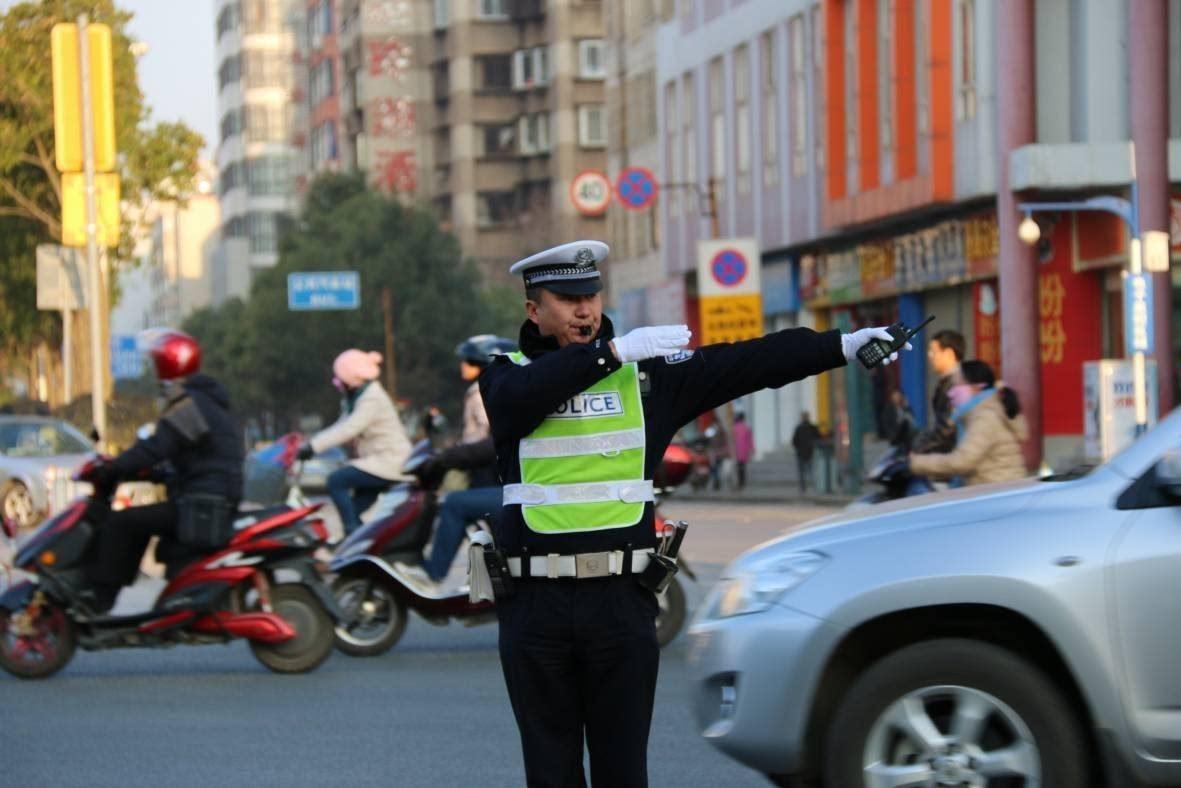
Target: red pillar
{"type": "Point", "coordinates": [1148, 73]}
{"type": "Point", "coordinates": [1017, 126]}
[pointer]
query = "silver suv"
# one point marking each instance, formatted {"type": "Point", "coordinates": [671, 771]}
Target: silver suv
{"type": "Point", "coordinates": [1026, 634]}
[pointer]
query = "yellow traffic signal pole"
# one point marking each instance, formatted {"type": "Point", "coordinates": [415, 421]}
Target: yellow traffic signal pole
{"type": "Point", "coordinates": [97, 389]}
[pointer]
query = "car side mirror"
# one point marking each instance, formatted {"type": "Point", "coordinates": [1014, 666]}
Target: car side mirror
{"type": "Point", "coordinates": [1168, 474]}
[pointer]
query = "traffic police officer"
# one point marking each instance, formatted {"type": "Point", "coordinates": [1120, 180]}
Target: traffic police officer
{"type": "Point", "coordinates": [580, 419]}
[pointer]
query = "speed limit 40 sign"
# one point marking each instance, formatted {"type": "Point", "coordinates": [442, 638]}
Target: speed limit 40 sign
{"type": "Point", "coordinates": [590, 191]}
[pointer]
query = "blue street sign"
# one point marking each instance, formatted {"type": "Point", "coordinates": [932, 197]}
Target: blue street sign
{"type": "Point", "coordinates": [636, 187]}
{"type": "Point", "coordinates": [323, 290]}
{"type": "Point", "coordinates": [127, 363]}
{"type": "Point", "coordinates": [1138, 325]}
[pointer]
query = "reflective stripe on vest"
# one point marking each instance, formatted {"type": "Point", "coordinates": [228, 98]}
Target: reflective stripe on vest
{"type": "Point", "coordinates": [582, 469]}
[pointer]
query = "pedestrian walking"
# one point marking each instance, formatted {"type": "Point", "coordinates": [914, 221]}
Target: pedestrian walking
{"type": "Point", "coordinates": [804, 440]}
{"type": "Point", "coordinates": [744, 447]}
{"type": "Point", "coordinates": [580, 419]}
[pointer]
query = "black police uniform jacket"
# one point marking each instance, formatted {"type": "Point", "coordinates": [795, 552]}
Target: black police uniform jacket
{"type": "Point", "coordinates": [674, 391]}
{"type": "Point", "coordinates": [199, 437]}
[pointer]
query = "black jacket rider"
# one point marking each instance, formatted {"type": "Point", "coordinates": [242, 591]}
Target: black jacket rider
{"type": "Point", "coordinates": [199, 437]}
{"type": "Point", "coordinates": [674, 391]}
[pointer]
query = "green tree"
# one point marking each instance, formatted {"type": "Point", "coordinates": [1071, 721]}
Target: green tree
{"type": "Point", "coordinates": [279, 361]}
{"type": "Point", "coordinates": [156, 162]}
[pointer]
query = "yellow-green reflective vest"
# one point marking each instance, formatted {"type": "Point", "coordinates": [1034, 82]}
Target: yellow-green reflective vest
{"type": "Point", "coordinates": [582, 469]}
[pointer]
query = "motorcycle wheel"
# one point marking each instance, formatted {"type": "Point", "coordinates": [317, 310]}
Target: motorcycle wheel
{"type": "Point", "coordinates": [671, 617]}
{"type": "Point", "coordinates": [376, 616]}
{"type": "Point", "coordinates": [313, 632]}
{"type": "Point", "coordinates": [42, 653]}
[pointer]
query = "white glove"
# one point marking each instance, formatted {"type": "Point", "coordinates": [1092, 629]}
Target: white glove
{"type": "Point", "coordinates": [851, 343]}
{"type": "Point", "coordinates": [651, 342]}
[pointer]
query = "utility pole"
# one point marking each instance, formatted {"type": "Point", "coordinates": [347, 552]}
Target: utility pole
{"type": "Point", "coordinates": [387, 311]}
{"type": "Point", "coordinates": [97, 387]}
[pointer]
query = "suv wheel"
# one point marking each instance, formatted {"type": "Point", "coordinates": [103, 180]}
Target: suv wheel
{"type": "Point", "coordinates": [955, 712]}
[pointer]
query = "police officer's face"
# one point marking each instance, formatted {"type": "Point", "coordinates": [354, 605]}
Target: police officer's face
{"type": "Point", "coordinates": [568, 318]}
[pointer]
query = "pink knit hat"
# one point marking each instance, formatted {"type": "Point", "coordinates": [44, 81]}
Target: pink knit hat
{"type": "Point", "coordinates": [354, 367]}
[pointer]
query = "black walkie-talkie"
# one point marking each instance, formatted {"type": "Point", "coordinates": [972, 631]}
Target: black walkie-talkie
{"type": "Point", "coordinates": [878, 350]}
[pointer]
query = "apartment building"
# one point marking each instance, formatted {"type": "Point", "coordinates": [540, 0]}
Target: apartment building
{"type": "Point", "coordinates": [518, 112]}
{"type": "Point", "coordinates": [256, 160]}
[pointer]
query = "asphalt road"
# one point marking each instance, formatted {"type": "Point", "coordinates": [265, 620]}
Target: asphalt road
{"type": "Point", "coordinates": [432, 712]}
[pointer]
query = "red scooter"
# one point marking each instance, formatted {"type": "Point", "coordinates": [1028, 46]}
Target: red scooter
{"type": "Point", "coordinates": [375, 596]}
{"type": "Point", "coordinates": [240, 590]}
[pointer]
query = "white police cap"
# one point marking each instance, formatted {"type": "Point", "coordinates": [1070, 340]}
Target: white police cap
{"type": "Point", "coordinates": [570, 269]}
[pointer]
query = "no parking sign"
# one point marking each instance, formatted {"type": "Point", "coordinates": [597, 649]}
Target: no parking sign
{"type": "Point", "coordinates": [729, 290]}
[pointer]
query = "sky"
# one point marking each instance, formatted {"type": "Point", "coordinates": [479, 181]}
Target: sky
{"type": "Point", "coordinates": [178, 74]}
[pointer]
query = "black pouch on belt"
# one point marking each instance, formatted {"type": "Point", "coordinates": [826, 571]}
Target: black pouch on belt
{"type": "Point", "coordinates": [658, 573]}
{"type": "Point", "coordinates": [204, 521]}
{"type": "Point", "coordinates": [497, 565]}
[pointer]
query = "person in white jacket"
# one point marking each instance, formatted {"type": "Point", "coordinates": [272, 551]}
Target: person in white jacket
{"type": "Point", "coordinates": [370, 419]}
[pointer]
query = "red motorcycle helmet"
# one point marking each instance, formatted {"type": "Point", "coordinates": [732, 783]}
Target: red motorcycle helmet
{"type": "Point", "coordinates": [175, 354]}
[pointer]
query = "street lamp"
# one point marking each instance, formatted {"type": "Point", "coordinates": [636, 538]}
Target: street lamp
{"type": "Point", "coordinates": [1138, 296]}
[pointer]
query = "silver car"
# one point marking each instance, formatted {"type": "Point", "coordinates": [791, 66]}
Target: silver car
{"type": "Point", "coordinates": [37, 457]}
{"type": "Point", "coordinates": [1026, 634]}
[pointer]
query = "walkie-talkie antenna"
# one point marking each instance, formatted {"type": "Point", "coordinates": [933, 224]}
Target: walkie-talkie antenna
{"type": "Point", "coordinates": [920, 327]}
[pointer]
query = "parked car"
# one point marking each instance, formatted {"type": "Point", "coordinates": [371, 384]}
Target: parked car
{"type": "Point", "coordinates": [37, 457]}
{"type": "Point", "coordinates": [1019, 634]}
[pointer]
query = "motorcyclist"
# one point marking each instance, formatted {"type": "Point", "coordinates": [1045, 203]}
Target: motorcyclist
{"type": "Point", "coordinates": [199, 438]}
{"type": "Point", "coordinates": [474, 453]}
{"type": "Point", "coordinates": [369, 417]}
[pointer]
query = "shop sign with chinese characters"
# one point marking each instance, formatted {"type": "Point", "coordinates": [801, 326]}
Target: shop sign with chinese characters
{"type": "Point", "coordinates": [953, 251]}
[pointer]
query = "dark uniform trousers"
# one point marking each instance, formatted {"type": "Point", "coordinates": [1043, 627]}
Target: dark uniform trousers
{"type": "Point", "coordinates": [124, 537]}
{"type": "Point", "coordinates": [580, 659]}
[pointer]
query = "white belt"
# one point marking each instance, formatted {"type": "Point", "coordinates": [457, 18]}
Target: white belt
{"type": "Point", "coordinates": [606, 443]}
{"type": "Point", "coordinates": [591, 492]}
{"type": "Point", "coordinates": [582, 565]}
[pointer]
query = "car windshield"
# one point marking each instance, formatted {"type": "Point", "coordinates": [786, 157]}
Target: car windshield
{"type": "Point", "coordinates": [41, 439]}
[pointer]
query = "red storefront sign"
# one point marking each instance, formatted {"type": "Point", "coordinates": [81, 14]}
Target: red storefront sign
{"type": "Point", "coordinates": [1070, 329]}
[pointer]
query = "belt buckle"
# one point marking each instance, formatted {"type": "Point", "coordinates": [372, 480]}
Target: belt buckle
{"type": "Point", "coordinates": [592, 565]}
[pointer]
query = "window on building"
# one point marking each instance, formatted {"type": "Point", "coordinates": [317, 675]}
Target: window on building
{"type": "Point", "coordinates": [269, 176]}
{"type": "Point", "coordinates": [442, 13]}
{"type": "Point", "coordinates": [742, 117]}
{"type": "Point", "coordinates": [323, 147]}
{"type": "Point", "coordinates": [642, 105]}
{"type": "Point", "coordinates": [263, 229]}
{"type": "Point", "coordinates": [319, 22]}
{"type": "Point", "coordinates": [261, 16]}
{"type": "Point", "coordinates": [770, 109]}
{"type": "Point", "coordinates": [494, 72]}
{"type": "Point", "coordinates": [320, 81]}
{"type": "Point", "coordinates": [590, 59]}
{"type": "Point", "coordinates": [672, 130]}
{"type": "Point", "coordinates": [799, 97]}
{"type": "Point", "coordinates": [265, 70]}
{"type": "Point", "coordinates": [886, 74]}
{"type": "Point", "coordinates": [689, 140]}
{"type": "Point", "coordinates": [227, 20]}
{"type": "Point", "coordinates": [818, 86]}
{"type": "Point", "coordinates": [494, 209]}
{"type": "Point", "coordinates": [264, 123]}
{"type": "Point", "coordinates": [230, 71]}
{"type": "Point", "coordinates": [498, 140]}
{"type": "Point", "coordinates": [530, 68]}
{"type": "Point", "coordinates": [965, 108]}
{"type": "Point", "coordinates": [230, 178]}
{"type": "Point", "coordinates": [231, 124]}
{"type": "Point", "coordinates": [717, 128]}
{"type": "Point", "coordinates": [852, 118]}
{"type": "Point", "coordinates": [592, 126]}
{"type": "Point", "coordinates": [533, 132]}
{"type": "Point", "coordinates": [492, 9]}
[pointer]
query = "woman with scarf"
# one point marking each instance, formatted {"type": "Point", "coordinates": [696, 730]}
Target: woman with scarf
{"type": "Point", "coordinates": [990, 427]}
{"type": "Point", "coordinates": [369, 418]}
